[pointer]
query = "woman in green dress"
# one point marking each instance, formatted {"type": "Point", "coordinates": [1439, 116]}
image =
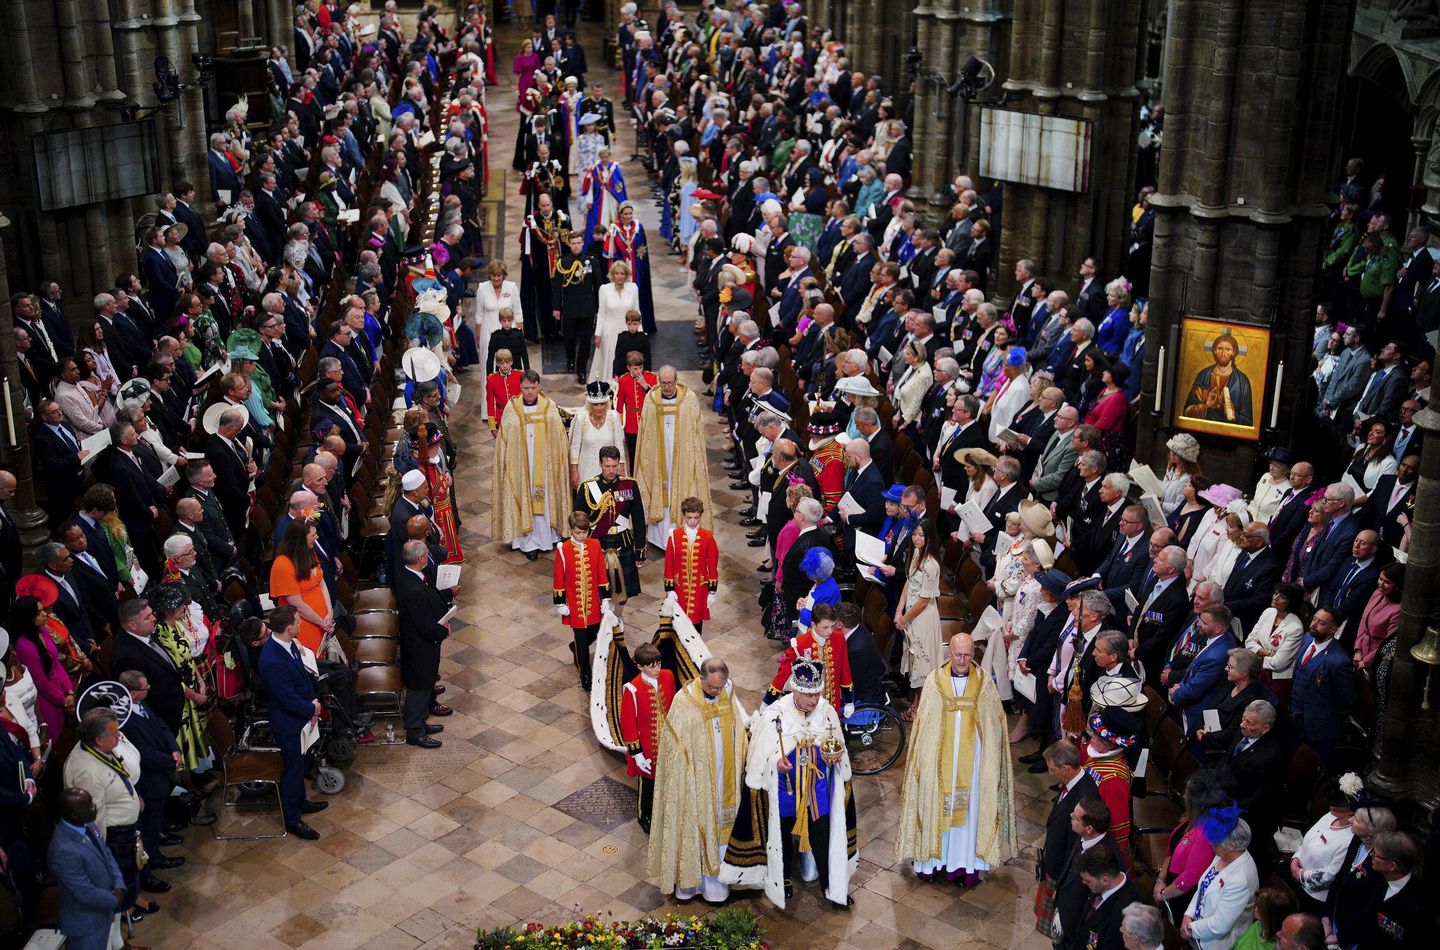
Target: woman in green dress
{"type": "Point", "coordinates": [184, 637]}
{"type": "Point", "coordinates": [1272, 906]}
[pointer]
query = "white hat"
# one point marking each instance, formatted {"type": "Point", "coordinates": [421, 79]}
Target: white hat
{"type": "Point", "coordinates": [4, 641]}
{"type": "Point", "coordinates": [412, 479]}
{"type": "Point", "coordinates": [420, 364]}
{"type": "Point", "coordinates": [211, 420]}
{"type": "Point", "coordinates": [1120, 691]}
{"type": "Point", "coordinates": [856, 386]}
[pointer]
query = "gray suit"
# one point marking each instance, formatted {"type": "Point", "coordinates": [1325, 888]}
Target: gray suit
{"type": "Point", "coordinates": [1056, 459]}
{"type": "Point", "coordinates": [1347, 382]}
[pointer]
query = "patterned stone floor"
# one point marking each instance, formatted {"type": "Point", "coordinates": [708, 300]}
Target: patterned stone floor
{"type": "Point", "coordinates": [421, 848]}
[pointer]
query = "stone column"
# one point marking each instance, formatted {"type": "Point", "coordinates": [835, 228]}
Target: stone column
{"type": "Point", "coordinates": [929, 135]}
{"type": "Point", "coordinates": [1410, 741]}
{"type": "Point", "coordinates": [29, 518]}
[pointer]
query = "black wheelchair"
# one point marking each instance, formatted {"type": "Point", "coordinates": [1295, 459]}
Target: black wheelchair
{"type": "Point", "coordinates": [874, 737]}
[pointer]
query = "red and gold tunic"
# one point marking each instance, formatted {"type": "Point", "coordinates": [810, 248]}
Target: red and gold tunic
{"type": "Point", "coordinates": [500, 388]}
{"type": "Point", "coordinates": [630, 399]}
{"type": "Point", "coordinates": [832, 652]}
{"type": "Point", "coordinates": [1112, 775]}
{"type": "Point", "coordinates": [642, 710]}
{"type": "Point", "coordinates": [828, 464]}
{"type": "Point", "coordinates": [580, 581]}
{"type": "Point", "coordinates": [692, 571]}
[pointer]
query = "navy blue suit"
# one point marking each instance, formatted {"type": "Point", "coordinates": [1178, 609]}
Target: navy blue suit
{"type": "Point", "coordinates": [291, 690]}
{"type": "Point", "coordinates": [790, 301]}
{"type": "Point", "coordinates": [1202, 680]}
{"type": "Point", "coordinates": [222, 177]}
{"type": "Point", "coordinates": [868, 489]}
{"type": "Point", "coordinates": [351, 378]}
{"type": "Point", "coordinates": [1331, 552]}
{"type": "Point", "coordinates": [88, 877]}
{"type": "Point", "coordinates": [58, 461]}
{"type": "Point", "coordinates": [1351, 587]}
{"type": "Point", "coordinates": [99, 548]}
{"type": "Point", "coordinates": [1286, 522]}
{"type": "Point", "coordinates": [1121, 570]}
{"type": "Point", "coordinates": [148, 733]}
{"type": "Point", "coordinates": [160, 281]}
{"type": "Point", "coordinates": [855, 283]}
{"type": "Point", "coordinates": [1321, 694]}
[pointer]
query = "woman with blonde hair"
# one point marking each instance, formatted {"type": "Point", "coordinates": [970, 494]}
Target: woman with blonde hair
{"type": "Point", "coordinates": [617, 298]}
{"type": "Point", "coordinates": [492, 296]}
{"type": "Point", "coordinates": [914, 384]}
{"type": "Point", "coordinates": [1114, 327]}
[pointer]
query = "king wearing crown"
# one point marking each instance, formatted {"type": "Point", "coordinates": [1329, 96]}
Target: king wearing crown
{"type": "Point", "coordinates": [798, 816]}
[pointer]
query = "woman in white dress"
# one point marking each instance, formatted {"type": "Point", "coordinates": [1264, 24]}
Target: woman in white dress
{"type": "Point", "coordinates": [1276, 637]}
{"type": "Point", "coordinates": [491, 297]}
{"type": "Point", "coordinates": [1322, 850]}
{"type": "Point", "coordinates": [1227, 551]}
{"type": "Point", "coordinates": [1205, 542]}
{"type": "Point", "coordinates": [917, 615]}
{"type": "Point", "coordinates": [914, 384]}
{"type": "Point", "coordinates": [1183, 462]}
{"type": "Point", "coordinates": [1222, 907]}
{"type": "Point", "coordinates": [1017, 592]}
{"type": "Point", "coordinates": [617, 299]}
{"type": "Point", "coordinates": [601, 426]}
{"type": "Point", "coordinates": [20, 696]}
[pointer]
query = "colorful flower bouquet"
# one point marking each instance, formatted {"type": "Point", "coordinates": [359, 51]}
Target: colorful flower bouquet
{"type": "Point", "coordinates": [733, 928]}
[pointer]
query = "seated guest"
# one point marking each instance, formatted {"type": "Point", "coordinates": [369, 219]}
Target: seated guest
{"type": "Point", "coordinates": [1193, 693]}
{"type": "Point", "coordinates": [1243, 687]}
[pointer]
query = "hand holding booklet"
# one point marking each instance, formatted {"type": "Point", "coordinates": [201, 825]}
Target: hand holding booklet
{"type": "Point", "coordinates": [1144, 476]}
{"type": "Point", "coordinates": [447, 576]}
{"type": "Point", "coordinates": [972, 519]}
{"type": "Point", "coordinates": [869, 549]}
{"type": "Point", "coordinates": [850, 506]}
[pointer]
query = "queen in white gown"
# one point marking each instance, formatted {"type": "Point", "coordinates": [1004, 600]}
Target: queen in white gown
{"type": "Point", "coordinates": [617, 298]}
{"type": "Point", "coordinates": [601, 426]}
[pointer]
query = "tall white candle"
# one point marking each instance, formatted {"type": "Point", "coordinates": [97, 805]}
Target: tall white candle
{"type": "Point", "coordinates": [1275, 403]}
{"type": "Point", "coordinates": [1159, 379]}
{"type": "Point", "coordinates": [9, 412]}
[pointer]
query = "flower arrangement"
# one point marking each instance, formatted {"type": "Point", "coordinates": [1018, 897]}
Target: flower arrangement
{"type": "Point", "coordinates": [733, 928]}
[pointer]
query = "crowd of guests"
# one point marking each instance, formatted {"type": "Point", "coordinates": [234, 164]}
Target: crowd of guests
{"type": "Point", "coordinates": [967, 465]}
{"type": "Point", "coordinates": [217, 460]}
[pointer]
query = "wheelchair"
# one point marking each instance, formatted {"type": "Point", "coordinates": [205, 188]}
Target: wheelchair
{"type": "Point", "coordinates": [874, 737]}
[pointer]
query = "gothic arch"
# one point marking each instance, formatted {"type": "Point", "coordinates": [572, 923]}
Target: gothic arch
{"type": "Point", "coordinates": [1380, 64]}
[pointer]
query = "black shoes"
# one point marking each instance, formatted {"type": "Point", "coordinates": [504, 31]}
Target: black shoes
{"type": "Point", "coordinates": [424, 742]}
{"type": "Point", "coordinates": [739, 486]}
{"type": "Point", "coordinates": [1038, 767]}
{"type": "Point", "coordinates": [171, 841]}
{"type": "Point", "coordinates": [433, 728]}
{"type": "Point", "coordinates": [1033, 757]}
{"type": "Point", "coordinates": [153, 885]}
{"type": "Point", "coordinates": [308, 807]}
{"type": "Point", "coordinates": [304, 831]}
{"type": "Point", "coordinates": [161, 862]}
{"type": "Point", "coordinates": [749, 521]}
{"type": "Point", "coordinates": [532, 555]}
{"type": "Point", "coordinates": [756, 542]}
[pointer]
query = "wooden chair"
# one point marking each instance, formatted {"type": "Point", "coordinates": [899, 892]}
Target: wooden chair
{"type": "Point", "coordinates": [242, 768]}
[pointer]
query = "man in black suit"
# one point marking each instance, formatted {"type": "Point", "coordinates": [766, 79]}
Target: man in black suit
{"type": "Point", "coordinates": [1252, 580]}
{"type": "Point", "coordinates": [137, 493]}
{"type": "Point", "coordinates": [35, 370]}
{"type": "Point", "coordinates": [882, 447]}
{"type": "Point", "coordinates": [87, 575]}
{"type": "Point", "coordinates": [965, 432]}
{"type": "Point", "coordinates": [421, 632]}
{"type": "Point", "coordinates": [1391, 505]}
{"type": "Point", "coordinates": [1403, 910]}
{"type": "Point", "coordinates": [11, 548]}
{"type": "Point", "coordinates": [1097, 522]}
{"type": "Point", "coordinates": [783, 465]}
{"type": "Point", "coordinates": [1289, 517]}
{"type": "Point", "coordinates": [330, 407]}
{"type": "Point", "coordinates": [135, 650]}
{"type": "Point", "coordinates": [1355, 581]}
{"type": "Point", "coordinates": [414, 500]}
{"type": "Point", "coordinates": [1247, 769]}
{"type": "Point", "coordinates": [1162, 609]}
{"type": "Point", "coordinates": [234, 468]}
{"type": "Point", "coordinates": [70, 605]}
{"type": "Point", "coordinates": [159, 760]}
{"type": "Point", "coordinates": [867, 666]}
{"type": "Point", "coordinates": [1062, 761]}
{"type": "Point", "coordinates": [1094, 868]}
{"type": "Point", "coordinates": [1080, 485]}
{"type": "Point", "coordinates": [1004, 503]}
{"type": "Point", "coordinates": [1128, 560]}
{"type": "Point", "coordinates": [794, 584]}
{"type": "Point", "coordinates": [58, 457]}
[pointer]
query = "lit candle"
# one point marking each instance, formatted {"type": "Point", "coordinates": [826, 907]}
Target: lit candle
{"type": "Point", "coordinates": [1159, 379]}
{"type": "Point", "coordinates": [9, 412]}
{"type": "Point", "coordinates": [1275, 403]}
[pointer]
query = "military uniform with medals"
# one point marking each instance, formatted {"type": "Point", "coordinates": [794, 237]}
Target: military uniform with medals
{"type": "Point", "coordinates": [574, 293]}
{"type": "Point", "coordinates": [615, 509]}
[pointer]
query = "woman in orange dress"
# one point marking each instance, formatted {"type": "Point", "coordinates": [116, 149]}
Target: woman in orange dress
{"type": "Point", "coordinates": [297, 579]}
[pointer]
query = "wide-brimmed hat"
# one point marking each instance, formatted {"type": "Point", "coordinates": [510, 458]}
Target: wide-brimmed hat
{"type": "Point", "coordinates": [856, 386]}
{"type": "Point", "coordinates": [1119, 692]}
{"type": "Point", "coordinates": [1184, 445]}
{"type": "Point", "coordinates": [244, 344]}
{"type": "Point", "coordinates": [1036, 518]}
{"type": "Point", "coordinates": [38, 586]}
{"type": "Point", "coordinates": [1080, 585]}
{"type": "Point", "coordinates": [1055, 581]}
{"type": "Point", "coordinates": [179, 229]}
{"type": "Point", "coordinates": [420, 364]}
{"type": "Point", "coordinates": [134, 392]}
{"type": "Point", "coordinates": [167, 597]}
{"type": "Point", "coordinates": [1281, 455]}
{"type": "Point", "coordinates": [597, 391]}
{"type": "Point", "coordinates": [980, 458]}
{"type": "Point", "coordinates": [211, 420]}
{"type": "Point", "coordinates": [894, 493]}
{"type": "Point", "coordinates": [1220, 494]}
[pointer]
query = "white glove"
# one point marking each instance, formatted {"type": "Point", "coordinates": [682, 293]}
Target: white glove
{"type": "Point", "coordinates": [710, 601]}
{"type": "Point", "coordinates": [847, 710]}
{"type": "Point", "coordinates": [562, 610]}
{"type": "Point", "coordinates": [644, 763]}
{"type": "Point", "coordinates": [672, 598]}
{"type": "Point", "coordinates": [605, 606]}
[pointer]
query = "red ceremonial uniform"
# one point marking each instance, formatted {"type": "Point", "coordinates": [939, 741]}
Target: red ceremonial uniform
{"type": "Point", "coordinates": [832, 652]}
{"type": "Point", "coordinates": [580, 581]}
{"type": "Point", "coordinates": [828, 464]}
{"type": "Point", "coordinates": [692, 571]}
{"type": "Point", "coordinates": [630, 399]}
{"type": "Point", "coordinates": [499, 390]}
{"type": "Point", "coordinates": [1112, 776]}
{"type": "Point", "coordinates": [642, 710]}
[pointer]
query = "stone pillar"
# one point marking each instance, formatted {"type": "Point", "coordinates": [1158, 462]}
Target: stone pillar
{"type": "Point", "coordinates": [1410, 741]}
{"type": "Point", "coordinates": [1240, 217]}
{"type": "Point", "coordinates": [29, 518]}
{"type": "Point", "coordinates": [931, 150]}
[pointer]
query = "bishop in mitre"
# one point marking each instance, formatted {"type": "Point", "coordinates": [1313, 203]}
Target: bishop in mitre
{"type": "Point", "coordinates": [956, 813]}
{"type": "Point", "coordinates": [532, 472]}
{"type": "Point", "coordinates": [699, 773]}
{"type": "Point", "coordinates": [670, 456]}
{"type": "Point", "coordinates": [804, 823]}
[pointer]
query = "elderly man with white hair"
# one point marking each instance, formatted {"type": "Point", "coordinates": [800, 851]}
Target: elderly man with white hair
{"type": "Point", "coordinates": [1141, 927]}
